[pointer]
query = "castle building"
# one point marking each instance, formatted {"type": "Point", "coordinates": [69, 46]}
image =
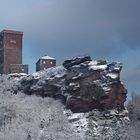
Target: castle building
{"type": "Point", "coordinates": [11, 52]}
{"type": "Point", "coordinates": [18, 68]}
{"type": "Point", "coordinates": [45, 62]}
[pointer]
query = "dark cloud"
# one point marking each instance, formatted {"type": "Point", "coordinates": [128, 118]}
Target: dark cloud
{"type": "Point", "coordinates": [70, 27]}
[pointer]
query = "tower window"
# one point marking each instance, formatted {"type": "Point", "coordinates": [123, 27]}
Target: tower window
{"type": "Point", "coordinates": [13, 41]}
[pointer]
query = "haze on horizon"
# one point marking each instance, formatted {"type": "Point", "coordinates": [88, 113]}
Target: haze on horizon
{"type": "Point", "coordinates": [65, 28]}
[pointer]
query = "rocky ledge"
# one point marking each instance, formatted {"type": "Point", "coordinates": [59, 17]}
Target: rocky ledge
{"type": "Point", "coordinates": [81, 83]}
{"type": "Point", "coordinates": [100, 125]}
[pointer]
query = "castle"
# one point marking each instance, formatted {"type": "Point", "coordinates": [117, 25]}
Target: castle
{"type": "Point", "coordinates": [45, 62]}
{"type": "Point", "coordinates": [11, 54]}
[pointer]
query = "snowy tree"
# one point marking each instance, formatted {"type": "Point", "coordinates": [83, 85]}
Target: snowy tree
{"type": "Point", "coordinates": [24, 117]}
{"type": "Point", "coordinates": [134, 115]}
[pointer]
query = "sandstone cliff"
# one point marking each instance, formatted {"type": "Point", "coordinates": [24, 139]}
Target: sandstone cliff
{"type": "Point", "coordinates": [81, 83]}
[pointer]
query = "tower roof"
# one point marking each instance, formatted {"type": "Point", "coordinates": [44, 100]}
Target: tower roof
{"type": "Point", "coordinates": [12, 31]}
{"type": "Point", "coordinates": [47, 57]}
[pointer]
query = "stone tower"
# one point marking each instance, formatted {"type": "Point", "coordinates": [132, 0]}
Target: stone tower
{"type": "Point", "coordinates": [45, 62]}
{"type": "Point", "coordinates": [10, 50]}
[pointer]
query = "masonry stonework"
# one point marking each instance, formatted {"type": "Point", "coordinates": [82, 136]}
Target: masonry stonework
{"type": "Point", "coordinates": [18, 68]}
{"type": "Point", "coordinates": [45, 62]}
{"type": "Point", "coordinates": [10, 49]}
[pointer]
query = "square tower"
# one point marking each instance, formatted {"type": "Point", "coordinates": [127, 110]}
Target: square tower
{"type": "Point", "coordinates": [45, 62]}
{"type": "Point", "coordinates": [10, 49]}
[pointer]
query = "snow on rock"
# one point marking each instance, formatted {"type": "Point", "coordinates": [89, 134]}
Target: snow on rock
{"type": "Point", "coordinates": [80, 123]}
{"type": "Point", "coordinates": [57, 71]}
{"type": "Point", "coordinates": [98, 67]}
{"type": "Point", "coordinates": [81, 83]}
{"type": "Point", "coordinates": [99, 125]}
{"type": "Point", "coordinates": [77, 76]}
{"type": "Point", "coordinates": [106, 88]}
{"type": "Point", "coordinates": [114, 66]}
{"type": "Point", "coordinates": [16, 76]}
{"type": "Point", "coordinates": [72, 84]}
{"type": "Point", "coordinates": [94, 65]}
{"type": "Point", "coordinates": [76, 62]}
{"type": "Point", "coordinates": [113, 75]}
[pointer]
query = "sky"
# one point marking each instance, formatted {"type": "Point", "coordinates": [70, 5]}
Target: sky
{"type": "Point", "coordinates": [103, 29]}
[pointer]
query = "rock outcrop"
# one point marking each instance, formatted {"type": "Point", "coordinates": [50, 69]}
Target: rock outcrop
{"type": "Point", "coordinates": [81, 83]}
{"type": "Point", "coordinates": [100, 125]}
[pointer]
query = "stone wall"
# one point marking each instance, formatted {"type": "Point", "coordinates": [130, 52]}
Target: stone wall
{"type": "Point", "coordinates": [44, 64]}
{"type": "Point", "coordinates": [18, 68]}
{"type": "Point", "coordinates": [11, 49]}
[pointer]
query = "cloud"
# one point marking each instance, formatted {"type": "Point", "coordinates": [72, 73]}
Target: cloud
{"type": "Point", "coordinates": [65, 28]}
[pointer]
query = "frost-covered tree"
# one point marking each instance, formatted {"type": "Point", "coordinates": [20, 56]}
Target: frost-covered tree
{"type": "Point", "coordinates": [134, 115]}
{"type": "Point", "coordinates": [25, 117]}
